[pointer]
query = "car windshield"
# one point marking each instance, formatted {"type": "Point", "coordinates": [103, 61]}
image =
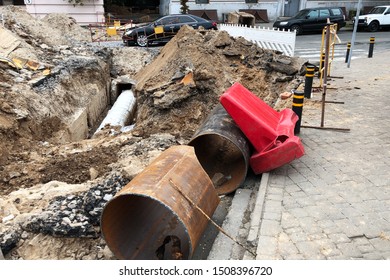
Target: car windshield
{"type": "Point", "coordinates": [377, 10]}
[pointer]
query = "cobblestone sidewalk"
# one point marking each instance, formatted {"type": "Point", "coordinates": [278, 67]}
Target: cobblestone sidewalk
{"type": "Point", "coordinates": [334, 202]}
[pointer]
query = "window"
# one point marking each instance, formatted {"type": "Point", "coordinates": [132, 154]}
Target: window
{"type": "Point", "coordinates": [336, 12]}
{"type": "Point", "coordinates": [313, 14]}
{"type": "Point", "coordinates": [324, 13]}
{"type": "Point", "coordinates": [201, 1]}
{"type": "Point", "coordinates": [250, 1]}
{"type": "Point", "coordinates": [18, 2]}
{"type": "Point", "coordinates": [186, 19]}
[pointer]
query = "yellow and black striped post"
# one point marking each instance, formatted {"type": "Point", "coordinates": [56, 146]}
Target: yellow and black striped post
{"type": "Point", "coordinates": [297, 107]}
{"type": "Point", "coordinates": [371, 49]}
{"type": "Point", "coordinates": [348, 52]}
{"type": "Point", "coordinates": [309, 80]}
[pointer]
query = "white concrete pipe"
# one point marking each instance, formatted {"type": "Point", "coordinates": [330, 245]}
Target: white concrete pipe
{"type": "Point", "coordinates": [121, 112]}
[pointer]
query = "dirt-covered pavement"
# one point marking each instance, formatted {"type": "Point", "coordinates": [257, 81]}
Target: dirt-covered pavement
{"type": "Point", "coordinates": [54, 178]}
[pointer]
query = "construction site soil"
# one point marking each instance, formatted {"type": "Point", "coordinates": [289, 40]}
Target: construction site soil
{"type": "Point", "coordinates": [55, 88]}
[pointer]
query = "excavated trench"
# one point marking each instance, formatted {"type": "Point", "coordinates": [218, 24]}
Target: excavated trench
{"type": "Point", "coordinates": [57, 176]}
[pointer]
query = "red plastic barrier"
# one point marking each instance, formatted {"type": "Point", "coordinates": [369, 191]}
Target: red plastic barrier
{"type": "Point", "coordinates": [270, 132]}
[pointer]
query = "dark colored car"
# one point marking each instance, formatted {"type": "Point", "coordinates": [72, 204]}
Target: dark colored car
{"type": "Point", "coordinates": [313, 19]}
{"type": "Point", "coordinates": [163, 29]}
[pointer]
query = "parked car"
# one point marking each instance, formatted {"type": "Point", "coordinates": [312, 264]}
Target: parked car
{"type": "Point", "coordinates": [378, 17]}
{"type": "Point", "coordinates": [163, 29]}
{"type": "Point", "coordinates": [313, 19]}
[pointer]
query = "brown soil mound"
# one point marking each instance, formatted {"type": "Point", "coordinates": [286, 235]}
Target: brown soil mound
{"type": "Point", "coordinates": [216, 61]}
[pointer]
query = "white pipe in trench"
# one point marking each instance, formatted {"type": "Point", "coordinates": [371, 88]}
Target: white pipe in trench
{"type": "Point", "coordinates": [121, 111]}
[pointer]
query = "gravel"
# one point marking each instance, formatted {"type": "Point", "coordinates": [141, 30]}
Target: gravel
{"type": "Point", "coordinates": [76, 215]}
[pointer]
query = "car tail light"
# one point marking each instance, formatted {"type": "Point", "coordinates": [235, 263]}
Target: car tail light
{"type": "Point", "coordinates": [214, 24]}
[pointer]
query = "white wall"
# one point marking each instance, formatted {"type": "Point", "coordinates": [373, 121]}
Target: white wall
{"type": "Point", "coordinates": [91, 12]}
{"type": "Point", "coordinates": [227, 6]}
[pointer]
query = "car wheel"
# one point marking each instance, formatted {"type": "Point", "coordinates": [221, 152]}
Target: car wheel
{"type": "Point", "coordinates": [373, 26]}
{"type": "Point", "coordinates": [297, 29]}
{"type": "Point", "coordinates": [142, 40]}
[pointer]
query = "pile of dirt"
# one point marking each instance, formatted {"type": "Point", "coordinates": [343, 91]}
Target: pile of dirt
{"type": "Point", "coordinates": [53, 29]}
{"type": "Point", "coordinates": [215, 61]}
{"type": "Point", "coordinates": [45, 166]}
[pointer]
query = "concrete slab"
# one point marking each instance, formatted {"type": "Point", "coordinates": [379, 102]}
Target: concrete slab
{"type": "Point", "coordinates": [223, 245]}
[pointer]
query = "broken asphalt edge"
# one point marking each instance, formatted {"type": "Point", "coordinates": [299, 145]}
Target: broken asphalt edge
{"type": "Point", "coordinates": [257, 215]}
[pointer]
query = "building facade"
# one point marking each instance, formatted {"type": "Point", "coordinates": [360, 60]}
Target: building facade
{"type": "Point", "coordinates": [275, 8]}
{"type": "Point", "coordinates": [91, 11]}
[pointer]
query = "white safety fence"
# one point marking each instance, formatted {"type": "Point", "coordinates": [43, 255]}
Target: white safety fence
{"type": "Point", "coordinates": [265, 38]}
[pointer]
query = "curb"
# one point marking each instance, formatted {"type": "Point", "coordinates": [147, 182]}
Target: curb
{"type": "Point", "coordinates": [223, 246]}
{"type": "Point", "coordinates": [257, 215]}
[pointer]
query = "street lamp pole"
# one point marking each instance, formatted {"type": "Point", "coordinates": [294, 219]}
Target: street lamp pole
{"type": "Point", "coordinates": [354, 31]}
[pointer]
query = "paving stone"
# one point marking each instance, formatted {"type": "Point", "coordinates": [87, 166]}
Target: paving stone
{"type": "Point", "coordinates": [328, 248]}
{"type": "Point", "coordinates": [326, 223]}
{"type": "Point", "coordinates": [276, 179]}
{"type": "Point", "coordinates": [286, 249]}
{"type": "Point", "coordinates": [267, 257]}
{"type": "Point", "coordinates": [289, 221]}
{"type": "Point", "coordinates": [273, 204]}
{"type": "Point", "coordinates": [349, 228]}
{"type": "Point", "coordinates": [297, 235]}
{"type": "Point", "coordinates": [274, 197]}
{"type": "Point", "coordinates": [266, 246]}
{"type": "Point", "coordinates": [349, 250]}
{"type": "Point", "coordinates": [317, 212]}
{"type": "Point", "coordinates": [318, 236]}
{"type": "Point", "coordinates": [381, 244]}
{"type": "Point", "coordinates": [292, 188]}
{"type": "Point", "coordinates": [309, 249]}
{"type": "Point", "coordinates": [385, 215]}
{"type": "Point", "coordinates": [272, 216]}
{"type": "Point", "coordinates": [305, 201]}
{"type": "Point", "coordinates": [360, 241]}
{"type": "Point", "coordinates": [365, 249]}
{"type": "Point", "coordinates": [289, 202]}
{"type": "Point", "coordinates": [270, 228]}
{"type": "Point", "coordinates": [339, 238]}
{"type": "Point", "coordinates": [299, 212]}
{"type": "Point", "coordinates": [373, 256]}
{"type": "Point", "coordinates": [294, 257]}
{"type": "Point", "coordinates": [299, 194]}
{"type": "Point", "coordinates": [309, 225]}
{"type": "Point", "coordinates": [318, 182]}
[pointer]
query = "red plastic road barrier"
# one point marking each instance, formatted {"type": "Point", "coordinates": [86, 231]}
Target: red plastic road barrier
{"type": "Point", "coordinates": [270, 132]}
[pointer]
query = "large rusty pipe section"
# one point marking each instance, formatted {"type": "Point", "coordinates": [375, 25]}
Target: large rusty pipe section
{"type": "Point", "coordinates": [223, 150]}
{"type": "Point", "coordinates": [156, 215]}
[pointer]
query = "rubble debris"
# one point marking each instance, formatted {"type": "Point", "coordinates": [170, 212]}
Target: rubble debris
{"type": "Point", "coordinates": [9, 240]}
{"type": "Point", "coordinates": [75, 215]}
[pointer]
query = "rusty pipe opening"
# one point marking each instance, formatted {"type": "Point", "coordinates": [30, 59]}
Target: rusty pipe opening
{"type": "Point", "coordinates": [222, 150]}
{"type": "Point", "coordinates": [132, 224]}
{"type": "Point", "coordinates": [156, 215]}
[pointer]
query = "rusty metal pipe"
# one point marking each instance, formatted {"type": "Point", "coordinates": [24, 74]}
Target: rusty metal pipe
{"type": "Point", "coordinates": [223, 150]}
{"type": "Point", "coordinates": [150, 219]}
